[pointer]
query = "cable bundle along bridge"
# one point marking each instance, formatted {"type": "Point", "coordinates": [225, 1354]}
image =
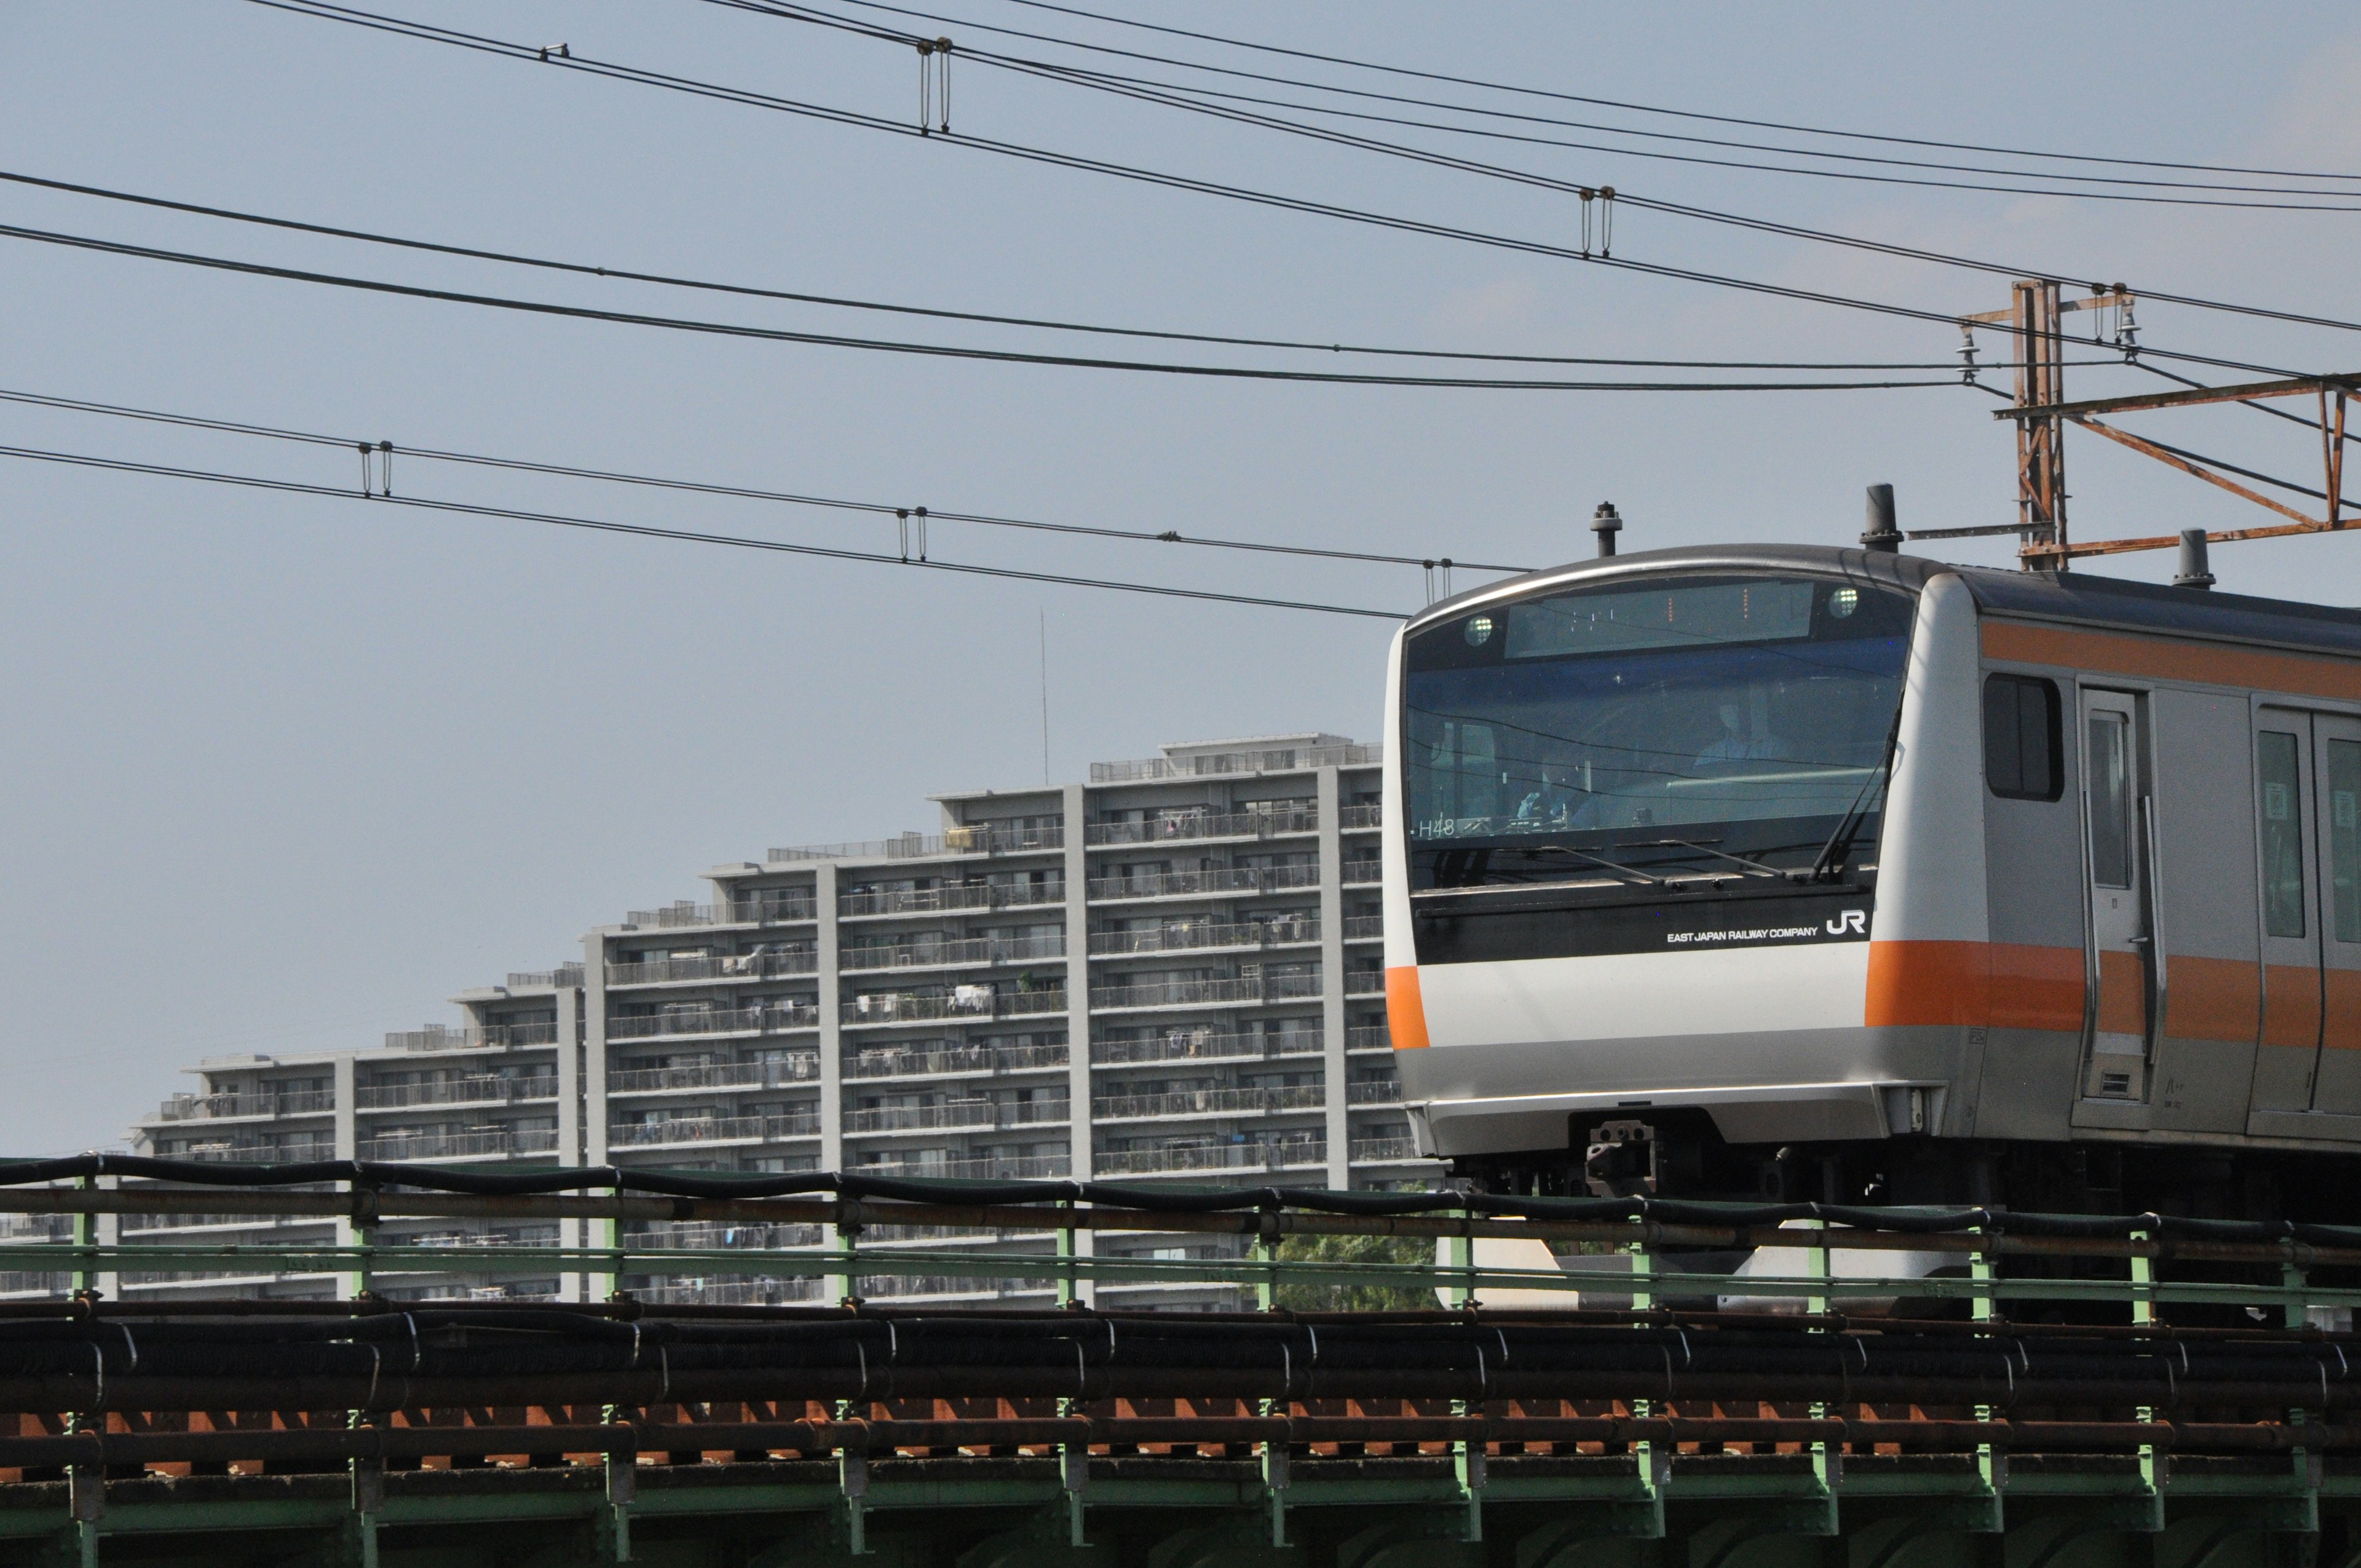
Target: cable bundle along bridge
{"type": "Point", "coordinates": [2058, 1389]}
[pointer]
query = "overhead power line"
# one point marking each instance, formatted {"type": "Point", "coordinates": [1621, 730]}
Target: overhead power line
{"type": "Point", "coordinates": [373, 21]}
{"type": "Point", "coordinates": [646, 531]}
{"type": "Point", "coordinates": [1114, 80]}
{"type": "Point", "coordinates": [702, 487]}
{"type": "Point", "coordinates": [1886, 138]}
{"type": "Point", "coordinates": [930, 350]}
{"type": "Point", "coordinates": [672, 281]}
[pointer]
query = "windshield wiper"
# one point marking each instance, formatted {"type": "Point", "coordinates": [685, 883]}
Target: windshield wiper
{"type": "Point", "coordinates": [1756, 867]}
{"type": "Point", "coordinates": [1643, 878]}
{"type": "Point", "coordinates": [1840, 845]}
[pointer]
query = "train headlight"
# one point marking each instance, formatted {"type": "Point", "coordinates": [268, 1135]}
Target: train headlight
{"type": "Point", "coordinates": [1843, 602]}
{"type": "Point", "coordinates": [1479, 631]}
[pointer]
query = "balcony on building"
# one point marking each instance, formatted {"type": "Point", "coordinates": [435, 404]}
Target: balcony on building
{"type": "Point", "coordinates": [948, 1059]}
{"type": "Point", "coordinates": [1248, 880]}
{"type": "Point", "coordinates": [673, 1131]}
{"type": "Point", "coordinates": [1172, 935]}
{"type": "Point", "coordinates": [1118, 993]}
{"type": "Point", "coordinates": [987, 838]}
{"type": "Point", "coordinates": [1201, 1158]}
{"type": "Point", "coordinates": [564, 977]}
{"type": "Point", "coordinates": [1252, 754]}
{"type": "Point", "coordinates": [881, 898]}
{"type": "Point", "coordinates": [1174, 825]}
{"type": "Point", "coordinates": [1106, 1109]}
{"type": "Point", "coordinates": [474, 1037]}
{"type": "Point", "coordinates": [989, 1167]}
{"type": "Point", "coordinates": [786, 909]}
{"type": "Point", "coordinates": [674, 1075]}
{"type": "Point", "coordinates": [679, 1020]}
{"type": "Point", "coordinates": [1204, 1043]}
{"type": "Point", "coordinates": [389, 1091]}
{"type": "Point", "coordinates": [942, 951]}
{"type": "Point", "coordinates": [763, 962]}
{"type": "Point", "coordinates": [258, 1105]}
{"type": "Point", "coordinates": [882, 1008]}
{"type": "Point", "coordinates": [462, 1143]}
{"type": "Point", "coordinates": [971, 1112]}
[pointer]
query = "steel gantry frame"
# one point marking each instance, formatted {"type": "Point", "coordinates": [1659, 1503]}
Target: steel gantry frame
{"type": "Point", "coordinates": [2035, 320]}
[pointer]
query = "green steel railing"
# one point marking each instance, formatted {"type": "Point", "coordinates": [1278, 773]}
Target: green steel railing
{"type": "Point", "coordinates": [1987, 1264]}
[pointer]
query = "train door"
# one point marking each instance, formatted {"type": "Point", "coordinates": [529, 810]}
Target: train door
{"type": "Point", "coordinates": [2287, 846]}
{"type": "Point", "coordinates": [2336, 786]}
{"type": "Point", "coordinates": [2118, 822]}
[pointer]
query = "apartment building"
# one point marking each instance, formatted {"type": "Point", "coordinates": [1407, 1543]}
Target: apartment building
{"type": "Point", "coordinates": [1185, 949]}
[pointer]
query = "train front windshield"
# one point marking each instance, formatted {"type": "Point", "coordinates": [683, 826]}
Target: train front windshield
{"type": "Point", "coordinates": [1728, 726]}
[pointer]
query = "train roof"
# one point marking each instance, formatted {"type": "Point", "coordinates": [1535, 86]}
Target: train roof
{"type": "Point", "coordinates": [2080, 599]}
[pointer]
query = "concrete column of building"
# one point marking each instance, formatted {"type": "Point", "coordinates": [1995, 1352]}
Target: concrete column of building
{"type": "Point", "coordinates": [1332, 982]}
{"type": "Point", "coordinates": [572, 1106]}
{"type": "Point", "coordinates": [1076, 809]}
{"type": "Point", "coordinates": [348, 1091]}
{"type": "Point", "coordinates": [1078, 981]}
{"type": "Point", "coordinates": [571, 1102]}
{"type": "Point", "coordinates": [346, 1087]}
{"type": "Point", "coordinates": [594, 1049]}
{"type": "Point", "coordinates": [829, 965]}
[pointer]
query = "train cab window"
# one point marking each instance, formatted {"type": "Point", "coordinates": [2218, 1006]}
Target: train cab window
{"type": "Point", "coordinates": [2022, 738]}
{"type": "Point", "coordinates": [2111, 800]}
{"type": "Point", "coordinates": [2282, 803]}
{"type": "Point", "coordinates": [2344, 835]}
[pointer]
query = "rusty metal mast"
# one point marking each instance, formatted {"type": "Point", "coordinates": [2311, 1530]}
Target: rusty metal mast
{"type": "Point", "coordinates": [2035, 320]}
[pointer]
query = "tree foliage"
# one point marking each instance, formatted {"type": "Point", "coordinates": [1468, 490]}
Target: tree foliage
{"type": "Point", "coordinates": [1400, 1252]}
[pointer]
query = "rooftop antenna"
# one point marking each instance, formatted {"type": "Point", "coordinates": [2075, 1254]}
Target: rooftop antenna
{"type": "Point", "coordinates": [1881, 535]}
{"type": "Point", "coordinates": [2194, 572]}
{"type": "Point", "coordinates": [1606, 524]}
{"type": "Point", "coordinates": [1045, 696]}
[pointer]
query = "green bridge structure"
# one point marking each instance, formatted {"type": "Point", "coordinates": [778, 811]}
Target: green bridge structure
{"type": "Point", "coordinates": [2055, 1391]}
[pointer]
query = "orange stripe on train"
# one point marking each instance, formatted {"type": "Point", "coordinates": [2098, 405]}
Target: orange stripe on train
{"type": "Point", "coordinates": [1977, 983]}
{"type": "Point", "coordinates": [1405, 1010]}
{"type": "Point", "coordinates": [2159, 658]}
{"type": "Point", "coordinates": [2004, 985]}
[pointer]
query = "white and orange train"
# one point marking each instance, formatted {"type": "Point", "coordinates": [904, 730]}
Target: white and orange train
{"type": "Point", "coordinates": [1799, 873]}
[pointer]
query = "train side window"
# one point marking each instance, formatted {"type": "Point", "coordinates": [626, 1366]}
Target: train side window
{"type": "Point", "coordinates": [2022, 738]}
{"type": "Point", "coordinates": [2111, 800]}
{"type": "Point", "coordinates": [2344, 835]}
{"type": "Point", "coordinates": [2282, 800]}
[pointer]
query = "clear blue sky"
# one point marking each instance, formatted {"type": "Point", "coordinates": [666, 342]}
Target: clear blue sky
{"type": "Point", "coordinates": [285, 773]}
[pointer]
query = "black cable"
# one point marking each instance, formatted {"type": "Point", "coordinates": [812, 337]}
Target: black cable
{"type": "Point", "coordinates": [2199, 457]}
{"type": "Point", "coordinates": [940, 351]}
{"type": "Point", "coordinates": [325, 11]}
{"type": "Point", "coordinates": [1525, 177]}
{"type": "Point", "coordinates": [1065, 42]}
{"type": "Point", "coordinates": [314, 438]}
{"type": "Point", "coordinates": [1612, 103]}
{"type": "Point", "coordinates": [753, 291]}
{"type": "Point", "coordinates": [291, 487]}
{"type": "Point", "coordinates": [1110, 81]}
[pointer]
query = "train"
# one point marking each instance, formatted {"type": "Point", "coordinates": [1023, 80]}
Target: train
{"type": "Point", "coordinates": [1801, 873]}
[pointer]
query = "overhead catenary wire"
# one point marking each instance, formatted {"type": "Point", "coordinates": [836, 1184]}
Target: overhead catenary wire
{"type": "Point", "coordinates": [1627, 198]}
{"type": "Point", "coordinates": [691, 536]}
{"type": "Point", "coordinates": [1562, 96]}
{"type": "Point", "coordinates": [327, 11]}
{"type": "Point", "coordinates": [674, 280]}
{"type": "Point", "coordinates": [931, 350]}
{"type": "Point", "coordinates": [742, 492]}
{"type": "Point", "coordinates": [785, 10]}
